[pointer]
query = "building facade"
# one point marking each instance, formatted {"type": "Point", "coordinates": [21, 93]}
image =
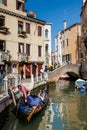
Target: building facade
{"type": "Point", "coordinates": [53, 59]}
{"type": "Point", "coordinates": [58, 49]}
{"type": "Point", "coordinates": [71, 43]}
{"type": "Point", "coordinates": [47, 43]}
{"type": "Point", "coordinates": [21, 39]}
{"type": "Point", "coordinates": [84, 40]}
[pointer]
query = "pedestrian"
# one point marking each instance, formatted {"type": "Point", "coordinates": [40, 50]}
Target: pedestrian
{"type": "Point", "coordinates": [42, 72]}
{"type": "Point", "coordinates": [22, 74]}
{"type": "Point", "coordinates": [2, 72]}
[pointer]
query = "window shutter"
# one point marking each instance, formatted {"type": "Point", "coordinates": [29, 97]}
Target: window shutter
{"type": "Point", "coordinates": [5, 2]}
{"type": "Point", "coordinates": [39, 51]}
{"type": "Point", "coordinates": [4, 45]}
{"type": "Point", "coordinates": [23, 9]}
{"type": "Point", "coordinates": [28, 28]}
{"type": "Point", "coordinates": [17, 4]}
{"type": "Point", "coordinates": [28, 49]}
{"type": "Point", "coordinates": [39, 31]}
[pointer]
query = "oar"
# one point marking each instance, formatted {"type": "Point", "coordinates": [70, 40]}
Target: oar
{"type": "Point", "coordinates": [31, 114]}
{"type": "Point", "coordinates": [13, 97]}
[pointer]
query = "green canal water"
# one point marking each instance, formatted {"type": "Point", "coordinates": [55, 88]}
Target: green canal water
{"type": "Point", "coordinates": [67, 110]}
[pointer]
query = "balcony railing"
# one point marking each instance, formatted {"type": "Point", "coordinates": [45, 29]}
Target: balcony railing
{"type": "Point", "coordinates": [22, 57]}
{"type": "Point", "coordinates": [47, 54]}
{"type": "Point", "coordinates": [4, 29]}
{"type": "Point", "coordinates": [4, 56]}
{"type": "Point", "coordinates": [47, 39]}
{"type": "Point", "coordinates": [22, 34]}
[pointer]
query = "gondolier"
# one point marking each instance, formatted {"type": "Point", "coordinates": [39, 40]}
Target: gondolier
{"type": "Point", "coordinates": [24, 90]}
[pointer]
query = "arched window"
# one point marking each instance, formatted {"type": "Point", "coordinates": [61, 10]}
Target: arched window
{"type": "Point", "coordinates": [46, 33]}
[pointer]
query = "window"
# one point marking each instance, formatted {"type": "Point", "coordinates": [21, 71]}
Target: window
{"type": "Point", "coordinates": [46, 33]}
{"type": "Point", "coordinates": [20, 27]}
{"type": "Point", "coordinates": [21, 48]}
{"type": "Point", "coordinates": [1, 1]}
{"type": "Point", "coordinates": [28, 28]}
{"type": "Point", "coordinates": [2, 45]}
{"type": "Point", "coordinates": [2, 21]}
{"type": "Point", "coordinates": [68, 57]}
{"type": "Point", "coordinates": [39, 51]}
{"type": "Point", "coordinates": [66, 42]}
{"type": "Point", "coordinates": [47, 60]}
{"type": "Point", "coordinates": [28, 49]}
{"type": "Point", "coordinates": [4, 2]}
{"type": "Point", "coordinates": [39, 31]}
{"type": "Point", "coordinates": [63, 44]}
{"type": "Point", "coordinates": [46, 48]}
{"type": "Point", "coordinates": [20, 6]}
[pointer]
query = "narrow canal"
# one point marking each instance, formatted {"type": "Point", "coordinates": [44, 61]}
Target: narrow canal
{"type": "Point", "coordinates": [67, 110]}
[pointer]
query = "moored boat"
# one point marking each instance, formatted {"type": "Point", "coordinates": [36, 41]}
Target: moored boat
{"type": "Point", "coordinates": [80, 83]}
{"type": "Point", "coordinates": [64, 77]}
{"type": "Point", "coordinates": [34, 104]}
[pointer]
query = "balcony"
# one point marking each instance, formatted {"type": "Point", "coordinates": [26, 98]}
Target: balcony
{"type": "Point", "coordinates": [4, 56]}
{"type": "Point", "coordinates": [22, 57]}
{"type": "Point", "coordinates": [47, 39]}
{"type": "Point", "coordinates": [4, 30]}
{"type": "Point", "coordinates": [47, 54]}
{"type": "Point", "coordinates": [22, 34]}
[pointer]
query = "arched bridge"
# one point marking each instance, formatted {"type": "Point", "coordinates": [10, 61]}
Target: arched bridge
{"type": "Point", "coordinates": [70, 69]}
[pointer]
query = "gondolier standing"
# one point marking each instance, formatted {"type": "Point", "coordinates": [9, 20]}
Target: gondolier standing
{"type": "Point", "coordinates": [24, 90]}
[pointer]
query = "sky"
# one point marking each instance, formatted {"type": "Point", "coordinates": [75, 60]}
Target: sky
{"type": "Point", "coordinates": [55, 12]}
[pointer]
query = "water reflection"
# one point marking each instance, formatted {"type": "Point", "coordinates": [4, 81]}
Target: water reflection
{"type": "Point", "coordinates": [67, 110]}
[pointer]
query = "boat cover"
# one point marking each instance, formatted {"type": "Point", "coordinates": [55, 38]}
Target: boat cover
{"type": "Point", "coordinates": [33, 101]}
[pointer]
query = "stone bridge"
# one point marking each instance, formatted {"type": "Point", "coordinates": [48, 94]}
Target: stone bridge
{"type": "Point", "coordinates": [70, 69]}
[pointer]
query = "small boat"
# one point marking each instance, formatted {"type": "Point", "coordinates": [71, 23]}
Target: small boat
{"type": "Point", "coordinates": [80, 83]}
{"type": "Point", "coordinates": [82, 89]}
{"type": "Point", "coordinates": [64, 77]}
{"type": "Point", "coordinates": [34, 104]}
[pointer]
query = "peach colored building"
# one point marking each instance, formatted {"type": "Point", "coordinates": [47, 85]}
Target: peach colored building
{"type": "Point", "coordinates": [70, 43]}
{"type": "Point", "coordinates": [21, 38]}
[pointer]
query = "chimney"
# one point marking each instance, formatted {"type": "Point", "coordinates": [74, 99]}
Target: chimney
{"type": "Point", "coordinates": [65, 24]}
{"type": "Point", "coordinates": [84, 2]}
{"type": "Point", "coordinates": [32, 14]}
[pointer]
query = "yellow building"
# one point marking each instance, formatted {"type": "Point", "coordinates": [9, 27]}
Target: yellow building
{"type": "Point", "coordinates": [21, 38]}
{"type": "Point", "coordinates": [71, 43]}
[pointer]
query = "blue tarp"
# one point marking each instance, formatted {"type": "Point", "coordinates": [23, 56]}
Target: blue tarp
{"type": "Point", "coordinates": [33, 101]}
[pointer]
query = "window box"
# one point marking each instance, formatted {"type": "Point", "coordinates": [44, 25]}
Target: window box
{"type": "Point", "coordinates": [22, 34]}
{"type": "Point", "coordinates": [4, 29]}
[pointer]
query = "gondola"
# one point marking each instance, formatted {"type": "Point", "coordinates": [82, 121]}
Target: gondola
{"type": "Point", "coordinates": [25, 111]}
